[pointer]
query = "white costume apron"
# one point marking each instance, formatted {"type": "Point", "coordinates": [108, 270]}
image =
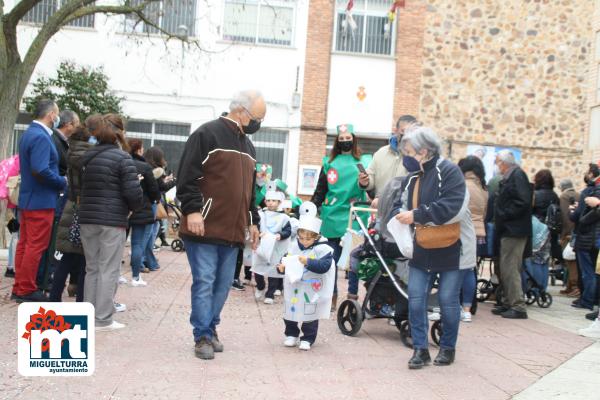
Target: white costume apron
{"type": "Point", "coordinates": [310, 298]}
{"type": "Point", "coordinates": [271, 222]}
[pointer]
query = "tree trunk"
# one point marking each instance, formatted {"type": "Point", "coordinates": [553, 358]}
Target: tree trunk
{"type": "Point", "coordinates": [10, 98]}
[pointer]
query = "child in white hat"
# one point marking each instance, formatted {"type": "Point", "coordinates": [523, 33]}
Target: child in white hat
{"type": "Point", "coordinates": [309, 299]}
{"type": "Point", "coordinates": [275, 224]}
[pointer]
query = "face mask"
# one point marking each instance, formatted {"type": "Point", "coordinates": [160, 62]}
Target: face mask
{"type": "Point", "coordinates": [411, 164]}
{"type": "Point", "coordinates": [497, 170]}
{"type": "Point", "coordinates": [56, 122]}
{"type": "Point", "coordinates": [252, 127]}
{"type": "Point", "coordinates": [260, 182]}
{"type": "Point", "coordinates": [93, 140]}
{"type": "Point", "coordinates": [345, 146]}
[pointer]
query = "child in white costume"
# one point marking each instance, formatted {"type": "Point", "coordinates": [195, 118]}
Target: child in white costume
{"type": "Point", "coordinates": [276, 225]}
{"type": "Point", "coordinates": [308, 299]}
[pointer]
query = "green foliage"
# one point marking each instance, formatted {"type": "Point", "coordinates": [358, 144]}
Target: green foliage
{"type": "Point", "coordinates": [76, 88]}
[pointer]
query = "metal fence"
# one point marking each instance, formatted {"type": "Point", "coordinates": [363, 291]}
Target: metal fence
{"type": "Point", "coordinates": [41, 13]}
{"type": "Point", "coordinates": [169, 15]}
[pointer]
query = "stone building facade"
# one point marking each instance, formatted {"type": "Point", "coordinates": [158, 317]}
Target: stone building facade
{"type": "Point", "coordinates": [512, 73]}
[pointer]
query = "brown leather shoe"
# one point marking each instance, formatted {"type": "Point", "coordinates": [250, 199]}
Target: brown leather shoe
{"type": "Point", "coordinates": [574, 293]}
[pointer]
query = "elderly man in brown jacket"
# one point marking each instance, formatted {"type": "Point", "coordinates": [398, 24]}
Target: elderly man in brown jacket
{"type": "Point", "coordinates": [568, 196]}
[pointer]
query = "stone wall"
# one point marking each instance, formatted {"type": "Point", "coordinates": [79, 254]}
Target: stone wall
{"type": "Point", "coordinates": [510, 73]}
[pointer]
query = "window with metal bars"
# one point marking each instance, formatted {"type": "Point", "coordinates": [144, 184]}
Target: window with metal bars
{"type": "Point", "coordinates": [374, 34]}
{"type": "Point", "coordinates": [170, 15]}
{"type": "Point", "coordinates": [42, 11]}
{"type": "Point", "coordinates": [259, 21]}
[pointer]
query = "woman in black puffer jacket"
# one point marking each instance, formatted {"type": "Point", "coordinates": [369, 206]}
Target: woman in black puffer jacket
{"type": "Point", "coordinates": [142, 220]}
{"type": "Point", "coordinates": [544, 196]}
{"type": "Point", "coordinates": [110, 191]}
{"type": "Point", "coordinates": [73, 260]}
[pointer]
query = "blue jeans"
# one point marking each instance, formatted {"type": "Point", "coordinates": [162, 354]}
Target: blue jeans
{"type": "Point", "coordinates": [539, 272]}
{"type": "Point", "coordinates": [141, 248]}
{"type": "Point", "coordinates": [468, 288]}
{"type": "Point", "coordinates": [419, 287]}
{"type": "Point", "coordinates": [587, 266]}
{"type": "Point", "coordinates": [213, 267]}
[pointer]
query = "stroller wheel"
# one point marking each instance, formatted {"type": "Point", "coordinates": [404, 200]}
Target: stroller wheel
{"type": "Point", "coordinates": [350, 317]}
{"type": "Point", "coordinates": [544, 300]}
{"type": "Point", "coordinates": [436, 331]}
{"type": "Point", "coordinates": [484, 290]}
{"type": "Point", "coordinates": [177, 245]}
{"type": "Point", "coordinates": [531, 297]}
{"type": "Point", "coordinates": [405, 336]}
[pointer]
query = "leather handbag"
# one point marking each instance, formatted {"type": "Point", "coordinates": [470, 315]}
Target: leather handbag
{"type": "Point", "coordinates": [161, 212]}
{"type": "Point", "coordinates": [434, 236]}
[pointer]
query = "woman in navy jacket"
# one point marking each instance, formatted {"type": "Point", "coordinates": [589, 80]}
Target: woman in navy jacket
{"type": "Point", "coordinates": [442, 199]}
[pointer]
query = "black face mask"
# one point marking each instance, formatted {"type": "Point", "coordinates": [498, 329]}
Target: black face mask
{"type": "Point", "coordinates": [345, 146]}
{"type": "Point", "coordinates": [252, 127]}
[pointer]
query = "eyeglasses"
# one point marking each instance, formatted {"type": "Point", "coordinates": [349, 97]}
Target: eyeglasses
{"type": "Point", "coordinates": [252, 116]}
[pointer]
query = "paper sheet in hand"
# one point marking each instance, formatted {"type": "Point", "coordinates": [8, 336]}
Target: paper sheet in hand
{"type": "Point", "coordinates": [265, 249]}
{"type": "Point", "coordinates": [293, 268]}
{"type": "Point", "coordinates": [402, 235]}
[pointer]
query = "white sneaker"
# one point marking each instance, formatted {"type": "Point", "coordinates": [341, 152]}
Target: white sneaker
{"type": "Point", "coordinates": [269, 300]}
{"type": "Point", "coordinates": [138, 282]}
{"type": "Point", "coordinates": [304, 345]}
{"type": "Point", "coordinates": [258, 294]}
{"type": "Point", "coordinates": [434, 316]}
{"type": "Point", "coordinates": [120, 307]}
{"type": "Point", "coordinates": [592, 331]}
{"type": "Point", "coordinates": [291, 341]}
{"type": "Point", "coordinates": [465, 316]}
{"type": "Point", "coordinates": [114, 326]}
{"type": "Point", "coordinates": [277, 292]}
{"type": "Point", "coordinates": [122, 279]}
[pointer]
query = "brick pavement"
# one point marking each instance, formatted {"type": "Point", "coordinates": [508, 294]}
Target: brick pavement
{"type": "Point", "coordinates": [153, 357]}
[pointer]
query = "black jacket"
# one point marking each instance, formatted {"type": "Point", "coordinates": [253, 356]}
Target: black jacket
{"type": "Point", "coordinates": [145, 215]}
{"type": "Point", "coordinates": [543, 197]}
{"type": "Point", "coordinates": [62, 147]}
{"type": "Point", "coordinates": [110, 188]}
{"type": "Point", "coordinates": [586, 220]}
{"type": "Point", "coordinates": [513, 210]}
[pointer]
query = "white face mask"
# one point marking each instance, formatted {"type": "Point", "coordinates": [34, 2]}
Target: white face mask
{"type": "Point", "coordinates": [497, 170]}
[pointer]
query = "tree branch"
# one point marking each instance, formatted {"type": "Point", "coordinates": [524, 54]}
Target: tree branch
{"type": "Point", "coordinates": [19, 11]}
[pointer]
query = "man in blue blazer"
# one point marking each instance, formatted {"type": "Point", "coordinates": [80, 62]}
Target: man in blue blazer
{"type": "Point", "coordinates": [38, 195]}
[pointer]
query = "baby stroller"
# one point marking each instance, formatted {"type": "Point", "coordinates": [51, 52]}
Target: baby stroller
{"type": "Point", "coordinates": [176, 244]}
{"type": "Point", "coordinates": [386, 294]}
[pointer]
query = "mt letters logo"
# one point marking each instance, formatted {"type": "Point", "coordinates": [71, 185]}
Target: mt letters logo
{"type": "Point", "coordinates": [56, 339]}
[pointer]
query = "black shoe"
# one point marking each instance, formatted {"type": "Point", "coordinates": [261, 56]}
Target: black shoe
{"type": "Point", "coordinates": [499, 310]}
{"type": "Point", "coordinates": [576, 301]}
{"type": "Point", "coordinates": [581, 305]}
{"type": "Point", "coordinates": [419, 359]}
{"type": "Point", "coordinates": [592, 316]}
{"type": "Point", "coordinates": [514, 314]}
{"type": "Point", "coordinates": [36, 296]}
{"type": "Point", "coordinates": [10, 273]}
{"type": "Point", "coordinates": [164, 243]}
{"type": "Point", "coordinates": [444, 357]}
{"type": "Point", "coordinates": [237, 285]}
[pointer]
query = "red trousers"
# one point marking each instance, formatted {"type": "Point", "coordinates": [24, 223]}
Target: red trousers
{"type": "Point", "coordinates": [34, 238]}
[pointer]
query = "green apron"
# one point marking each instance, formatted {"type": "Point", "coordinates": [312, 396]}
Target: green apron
{"type": "Point", "coordinates": [260, 192]}
{"type": "Point", "coordinates": [342, 190]}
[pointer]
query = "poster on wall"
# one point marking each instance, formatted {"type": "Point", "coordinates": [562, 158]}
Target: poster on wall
{"type": "Point", "coordinates": [487, 154]}
{"type": "Point", "coordinates": [308, 179]}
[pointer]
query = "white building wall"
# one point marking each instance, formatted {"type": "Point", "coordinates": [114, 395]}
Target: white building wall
{"type": "Point", "coordinates": [376, 75]}
{"type": "Point", "coordinates": [171, 81]}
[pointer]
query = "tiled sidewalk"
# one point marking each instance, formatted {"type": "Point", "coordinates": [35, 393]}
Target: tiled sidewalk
{"type": "Point", "coordinates": [154, 358]}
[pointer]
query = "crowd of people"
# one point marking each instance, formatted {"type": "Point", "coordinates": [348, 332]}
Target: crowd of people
{"type": "Point", "coordinates": [96, 187]}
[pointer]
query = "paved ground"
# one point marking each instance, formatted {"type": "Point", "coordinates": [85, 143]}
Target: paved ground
{"type": "Point", "coordinates": [153, 357]}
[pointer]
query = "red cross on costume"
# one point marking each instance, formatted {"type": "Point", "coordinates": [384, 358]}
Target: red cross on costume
{"type": "Point", "coordinates": [332, 176]}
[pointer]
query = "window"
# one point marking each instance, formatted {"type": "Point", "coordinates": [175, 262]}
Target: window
{"type": "Point", "coordinates": [169, 136]}
{"type": "Point", "coordinates": [42, 11]}
{"type": "Point", "coordinates": [259, 21]}
{"type": "Point", "coordinates": [270, 147]}
{"type": "Point", "coordinates": [371, 35]}
{"type": "Point", "coordinates": [169, 15]}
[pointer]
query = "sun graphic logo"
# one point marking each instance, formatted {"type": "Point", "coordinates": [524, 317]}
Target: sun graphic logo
{"type": "Point", "coordinates": [56, 339]}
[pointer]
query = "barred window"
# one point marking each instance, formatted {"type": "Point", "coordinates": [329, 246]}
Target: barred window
{"type": "Point", "coordinates": [169, 15]}
{"type": "Point", "coordinates": [259, 21]}
{"type": "Point", "coordinates": [371, 35]}
{"type": "Point", "coordinates": [42, 11]}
